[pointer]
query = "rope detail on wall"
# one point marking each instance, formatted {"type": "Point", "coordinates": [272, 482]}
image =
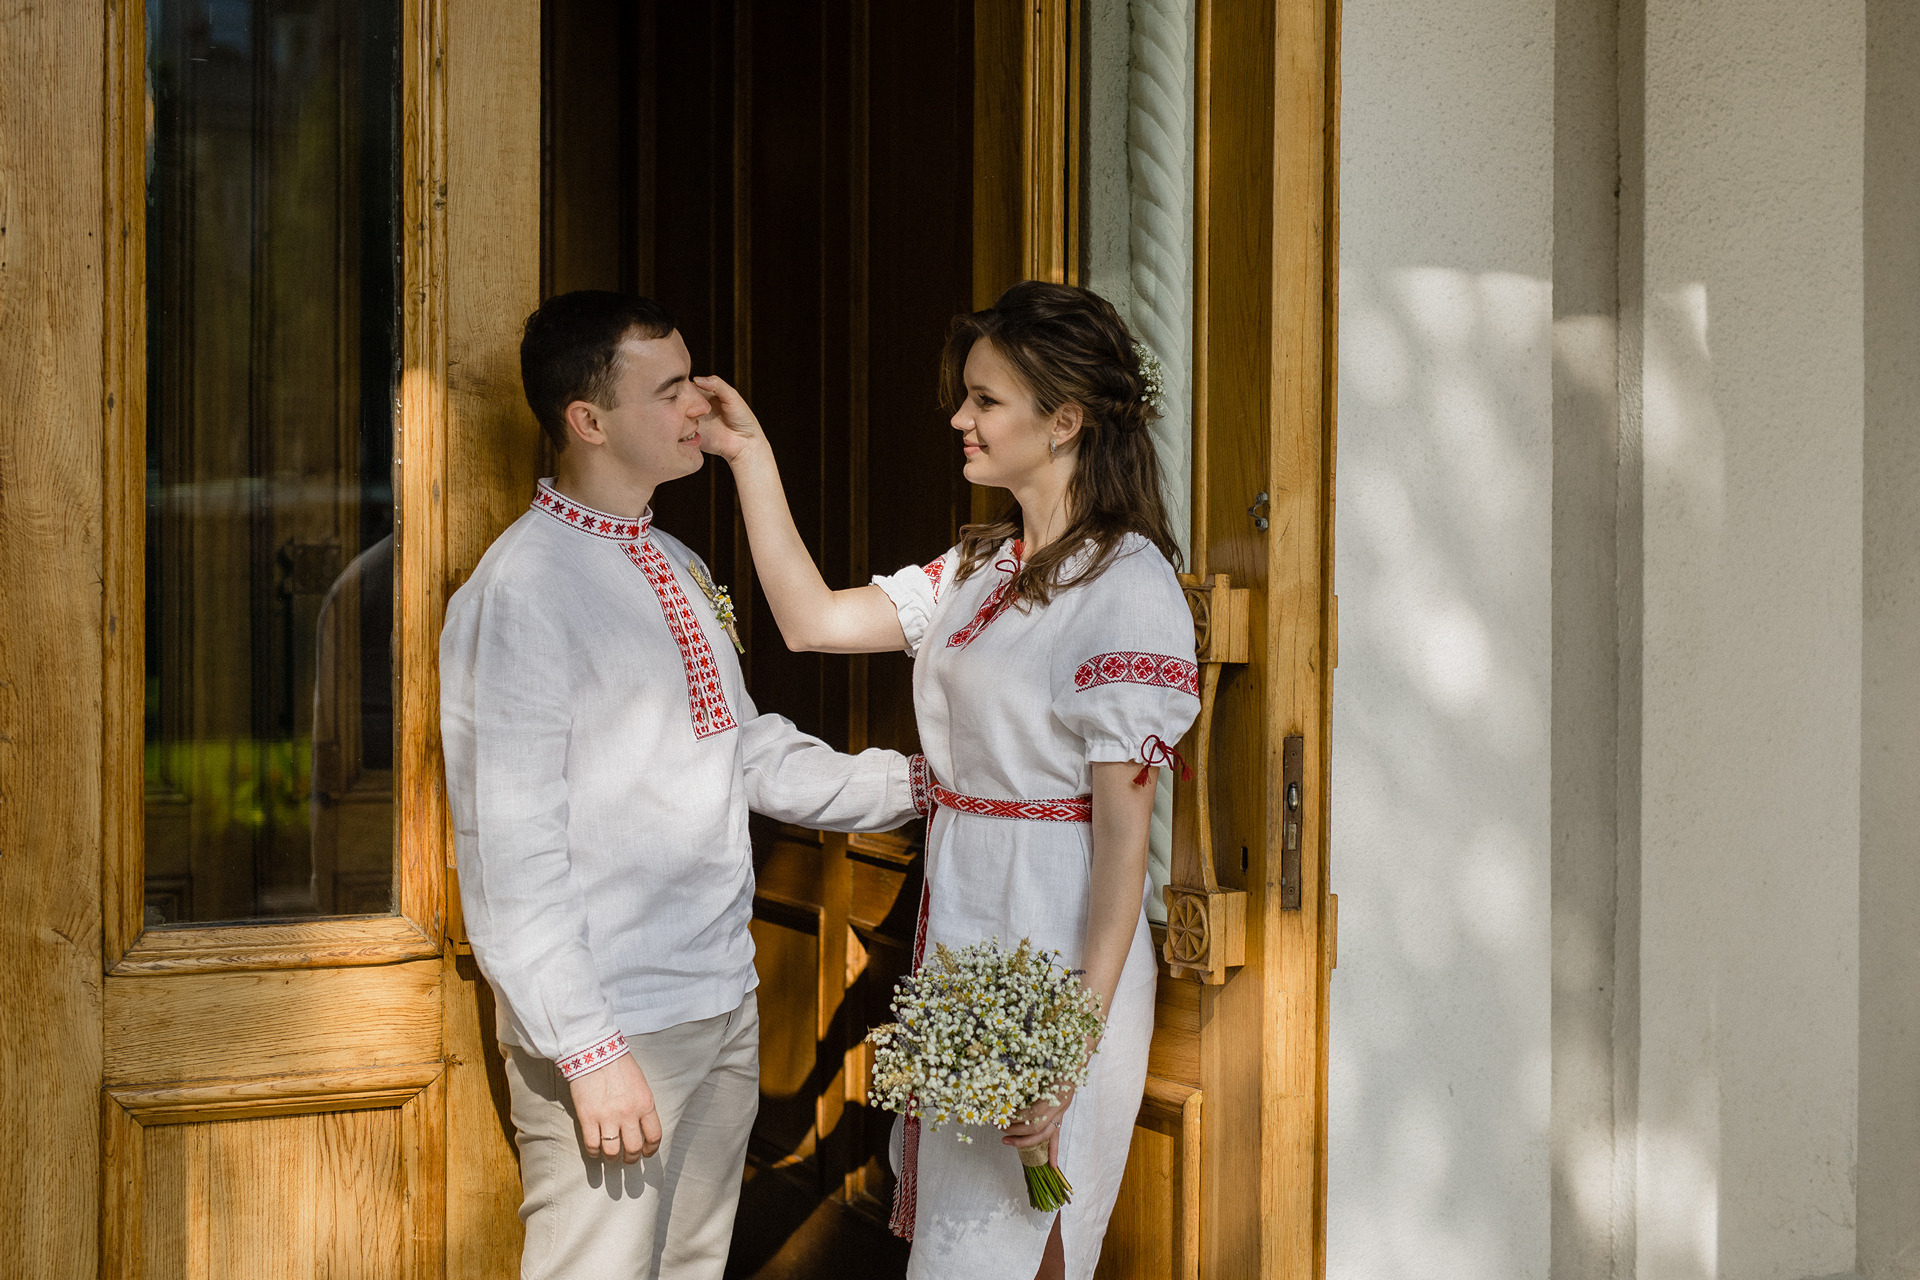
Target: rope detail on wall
{"type": "Point", "coordinates": [1160, 243]}
{"type": "Point", "coordinates": [1160, 187]}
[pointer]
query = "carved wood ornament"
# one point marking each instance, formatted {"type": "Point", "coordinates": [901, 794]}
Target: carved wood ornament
{"type": "Point", "coordinates": [1206, 924]}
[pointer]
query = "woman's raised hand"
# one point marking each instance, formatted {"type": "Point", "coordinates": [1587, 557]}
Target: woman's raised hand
{"type": "Point", "coordinates": [731, 429]}
{"type": "Point", "coordinates": [812, 616]}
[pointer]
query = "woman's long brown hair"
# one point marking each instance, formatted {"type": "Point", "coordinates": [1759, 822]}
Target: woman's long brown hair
{"type": "Point", "coordinates": [1070, 347]}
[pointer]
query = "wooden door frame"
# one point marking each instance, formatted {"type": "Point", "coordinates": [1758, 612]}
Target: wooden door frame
{"type": "Point", "coordinates": [1265, 308]}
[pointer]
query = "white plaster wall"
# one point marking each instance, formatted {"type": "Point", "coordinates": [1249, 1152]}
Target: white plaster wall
{"type": "Point", "coordinates": [1750, 712]}
{"type": "Point", "coordinates": [1439, 1073]}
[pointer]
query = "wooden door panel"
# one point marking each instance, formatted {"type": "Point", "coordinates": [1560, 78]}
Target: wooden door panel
{"type": "Point", "coordinates": [1138, 1243]}
{"type": "Point", "coordinates": [318, 1193]}
{"type": "Point", "coordinates": [291, 1197]}
{"type": "Point", "coordinates": [786, 939]}
{"type": "Point", "coordinates": [483, 1166]}
{"type": "Point", "coordinates": [195, 1027]}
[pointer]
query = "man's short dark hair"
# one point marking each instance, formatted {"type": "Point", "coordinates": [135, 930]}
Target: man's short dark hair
{"type": "Point", "coordinates": [570, 350]}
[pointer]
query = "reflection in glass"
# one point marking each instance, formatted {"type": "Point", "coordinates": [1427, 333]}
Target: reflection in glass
{"type": "Point", "coordinates": [272, 339]}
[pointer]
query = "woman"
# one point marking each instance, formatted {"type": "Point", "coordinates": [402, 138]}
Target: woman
{"type": "Point", "coordinates": [1053, 663]}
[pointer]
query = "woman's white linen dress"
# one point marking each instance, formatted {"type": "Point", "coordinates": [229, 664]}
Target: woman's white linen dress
{"type": "Point", "coordinates": [1014, 707]}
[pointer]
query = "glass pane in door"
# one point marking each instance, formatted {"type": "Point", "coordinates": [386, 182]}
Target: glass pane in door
{"type": "Point", "coordinates": [272, 343]}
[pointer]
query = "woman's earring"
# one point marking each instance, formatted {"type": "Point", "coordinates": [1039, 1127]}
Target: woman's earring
{"type": "Point", "coordinates": [1053, 447]}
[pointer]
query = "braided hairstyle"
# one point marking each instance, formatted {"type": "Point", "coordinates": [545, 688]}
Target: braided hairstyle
{"type": "Point", "coordinates": [1070, 347]}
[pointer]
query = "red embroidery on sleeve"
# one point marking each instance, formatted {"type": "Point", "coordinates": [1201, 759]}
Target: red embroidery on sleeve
{"type": "Point", "coordinates": [594, 1058]}
{"type": "Point", "coordinates": [917, 775]}
{"type": "Point", "coordinates": [1138, 668]}
{"type": "Point", "coordinates": [933, 572]}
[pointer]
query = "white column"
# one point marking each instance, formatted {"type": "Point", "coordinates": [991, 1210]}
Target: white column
{"type": "Point", "coordinates": [1439, 1074]}
{"type": "Point", "coordinates": [1749, 376]}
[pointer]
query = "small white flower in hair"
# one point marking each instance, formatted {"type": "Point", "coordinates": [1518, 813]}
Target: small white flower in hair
{"type": "Point", "coordinates": [1152, 375]}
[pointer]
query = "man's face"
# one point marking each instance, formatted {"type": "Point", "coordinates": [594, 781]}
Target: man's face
{"type": "Point", "coordinates": [651, 431]}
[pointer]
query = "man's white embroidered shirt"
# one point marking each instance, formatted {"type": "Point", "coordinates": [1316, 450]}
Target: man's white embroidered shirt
{"type": "Point", "coordinates": [602, 755]}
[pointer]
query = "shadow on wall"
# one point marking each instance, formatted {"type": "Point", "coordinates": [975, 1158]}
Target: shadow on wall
{"type": "Point", "coordinates": [1442, 1062]}
{"type": "Point", "coordinates": [1440, 1056]}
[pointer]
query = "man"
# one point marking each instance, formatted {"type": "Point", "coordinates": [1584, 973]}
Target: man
{"type": "Point", "coordinates": [602, 754]}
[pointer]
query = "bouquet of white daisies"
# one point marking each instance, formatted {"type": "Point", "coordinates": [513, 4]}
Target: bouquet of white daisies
{"type": "Point", "coordinates": [980, 1035]}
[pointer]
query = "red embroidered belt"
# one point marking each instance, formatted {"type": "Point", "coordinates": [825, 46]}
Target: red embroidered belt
{"type": "Point", "coordinates": [1076, 809]}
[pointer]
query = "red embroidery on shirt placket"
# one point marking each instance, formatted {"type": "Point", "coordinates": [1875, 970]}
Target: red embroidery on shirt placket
{"type": "Point", "coordinates": [706, 697]}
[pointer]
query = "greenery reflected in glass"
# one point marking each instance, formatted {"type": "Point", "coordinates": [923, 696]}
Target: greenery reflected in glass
{"type": "Point", "coordinates": [273, 333]}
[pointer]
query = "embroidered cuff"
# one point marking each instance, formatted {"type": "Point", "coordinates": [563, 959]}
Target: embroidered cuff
{"type": "Point", "coordinates": [594, 1058]}
{"type": "Point", "coordinates": [917, 783]}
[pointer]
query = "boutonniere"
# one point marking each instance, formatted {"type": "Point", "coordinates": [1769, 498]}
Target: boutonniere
{"type": "Point", "coordinates": [722, 602]}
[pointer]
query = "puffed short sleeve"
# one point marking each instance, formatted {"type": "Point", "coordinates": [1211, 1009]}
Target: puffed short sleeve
{"type": "Point", "coordinates": [1124, 676]}
{"type": "Point", "coordinates": [915, 590]}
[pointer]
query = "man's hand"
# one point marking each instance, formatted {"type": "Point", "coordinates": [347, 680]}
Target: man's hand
{"type": "Point", "coordinates": [731, 429]}
{"type": "Point", "coordinates": [615, 1107]}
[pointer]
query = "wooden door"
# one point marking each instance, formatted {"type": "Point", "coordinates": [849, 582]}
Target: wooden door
{"type": "Point", "coordinates": [272, 1098]}
{"type": "Point", "coordinates": [301, 196]}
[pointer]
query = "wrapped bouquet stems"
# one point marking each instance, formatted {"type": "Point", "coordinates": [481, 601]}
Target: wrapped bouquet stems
{"type": "Point", "coordinates": [1047, 1188]}
{"type": "Point", "coordinates": [979, 1036]}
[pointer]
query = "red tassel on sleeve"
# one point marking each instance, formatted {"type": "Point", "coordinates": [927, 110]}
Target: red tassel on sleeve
{"type": "Point", "coordinates": [1155, 751]}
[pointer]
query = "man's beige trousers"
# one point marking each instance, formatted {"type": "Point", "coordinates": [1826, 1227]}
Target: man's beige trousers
{"type": "Point", "coordinates": [669, 1217]}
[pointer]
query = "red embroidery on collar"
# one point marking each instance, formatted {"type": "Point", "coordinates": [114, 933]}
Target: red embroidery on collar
{"type": "Point", "coordinates": [705, 696]}
{"type": "Point", "coordinates": [1075, 809]}
{"type": "Point", "coordinates": [598, 523]}
{"type": "Point", "coordinates": [1138, 668]}
{"type": "Point", "coordinates": [994, 605]}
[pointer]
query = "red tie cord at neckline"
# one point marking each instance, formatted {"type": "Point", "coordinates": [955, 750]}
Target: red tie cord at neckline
{"type": "Point", "coordinates": [994, 605]}
{"type": "Point", "coordinates": [1155, 751]}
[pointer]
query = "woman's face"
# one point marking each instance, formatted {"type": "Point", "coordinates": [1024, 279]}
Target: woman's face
{"type": "Point", "coordinates": [1001, 432]}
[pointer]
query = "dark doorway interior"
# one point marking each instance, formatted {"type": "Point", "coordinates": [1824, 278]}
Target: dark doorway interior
{"type": "Point", "coordinates": [794, 181]}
